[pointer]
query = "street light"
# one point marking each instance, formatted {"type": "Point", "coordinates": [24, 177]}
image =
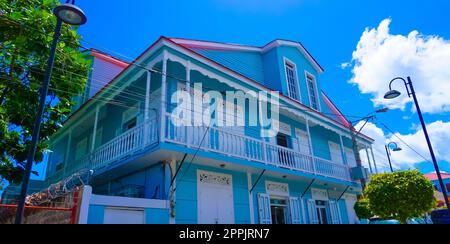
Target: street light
{"type": "Point", "coordinates": [388, 147]}
{"type": "Point", "coordinates": [72, 15]}
{"type": "Point", "coordinates": [391, 94]}
{"type": "Point", "coordinates": [354, 133]}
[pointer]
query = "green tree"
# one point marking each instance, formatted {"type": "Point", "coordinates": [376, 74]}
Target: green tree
{"type": "Point", "coordinates": [400, 195]}
{"type": "Point", "coordinates": [26, 33]}
{"type": "Point", "coordinates": [362, 209]}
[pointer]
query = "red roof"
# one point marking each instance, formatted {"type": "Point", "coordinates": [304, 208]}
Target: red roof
{"type": "Point", "coordinates": [433, 176]}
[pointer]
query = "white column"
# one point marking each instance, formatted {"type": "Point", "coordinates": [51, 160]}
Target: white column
{"type": "Point", "coordinates": [311, 151]}
{"type": "Point", "coordinates": [344, 157]}
{"type": "Point", "coordinates": [374, 161]}
{"type": "Point", "coordinates": [250, 198]}
{"type": "Point", "coordinates": [147, 107]}
{"type": "Point", "coordinates": [163, 97]}
{"type": "Point", "coordinates": [97, 109]}
{"type": "Point", "coordinates": [368, 159]}
{"type": "Point", "coordinates": [189, 134]}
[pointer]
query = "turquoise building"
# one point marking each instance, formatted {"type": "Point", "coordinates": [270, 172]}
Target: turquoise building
{"type": "Point", "coordinates": [148, 169]}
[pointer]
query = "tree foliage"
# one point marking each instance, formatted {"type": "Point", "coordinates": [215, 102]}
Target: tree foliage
{"type": "Point", "coordinates": [26, 34]}
{"type": "Point", "coordinates": [362, 209]}
{"type": "Point", "coordinates": [400, 195]}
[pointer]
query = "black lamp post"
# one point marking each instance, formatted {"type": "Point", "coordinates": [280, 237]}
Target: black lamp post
{"type": "Point", "coordinates": [72, 15]}
{"type": "Point", "coordinates": [388, 147]}
{"type": "Point", "coordinates": [391, 94]}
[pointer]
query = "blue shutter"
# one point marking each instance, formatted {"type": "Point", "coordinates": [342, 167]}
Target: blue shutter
{"type": "Point", "coordinates": [334, 212]}
{"type": "Point", "coordinates": [294, 210]}
{"type": "Point", "coordinates": [312, 212]}
{"type": "Point", "coordinates": [265, 214]}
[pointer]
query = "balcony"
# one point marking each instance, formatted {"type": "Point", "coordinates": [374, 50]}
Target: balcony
{"type": "Point", "coordinates": [217, 140]}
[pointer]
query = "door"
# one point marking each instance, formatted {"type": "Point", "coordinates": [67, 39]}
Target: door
{"type": "Point", "coordinates": [123, 216]}
{"type": "Point", "coordinates": [336, 154]}
{"type": "Point", "coordinates": [215, 198]}
{"type": "Point", "coordinates": [350, 201]}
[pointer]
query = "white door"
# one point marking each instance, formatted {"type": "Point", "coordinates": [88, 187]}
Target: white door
{"type": "Point", "coordinates": [215, 198]}
{"type": "Point", "coordinates": [335, 151]}
{"type": "Point", "coordinates": [123, 216]}
{"type": "Point", "coordinates": [350, 201]}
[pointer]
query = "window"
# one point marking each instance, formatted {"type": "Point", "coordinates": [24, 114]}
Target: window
{"type": "Point", "coordinates": [129, 124]}
{"type": "Point", "coordinates": [312, 91]}
{"type": "Point", "coordinates": [283, 140]}
{"type": "Point", "coordinates": [278, 209]}
{"type": "Point", "coordinates": [291, 78]}
{"type": "Point", "coordinates": [98, 138]}
{"type": "Point", "coordinates": [81, 149]}
{"type": "Point", "coordinates": [321, 208]}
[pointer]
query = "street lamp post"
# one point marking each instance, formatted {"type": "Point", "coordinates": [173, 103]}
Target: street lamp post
{"type": "Point", "coordinates": [72, 15]}
{"type": "Point", "coordinates": [395, 149]}
{"type": "Point", "coordinates": [354, 133]}
{"type": "Point", "coordinates": [391, 94]}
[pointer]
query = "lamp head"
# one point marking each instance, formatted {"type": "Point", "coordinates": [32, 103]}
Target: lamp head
{"type": "Point", "coordinates": [392, 94]}
{"type": "Point", "coordinates": [70, 14]}
{"type": "Point", "coordinates": [397, 149]}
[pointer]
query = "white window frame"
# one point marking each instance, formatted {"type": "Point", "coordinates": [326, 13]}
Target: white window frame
{"type": "Point", "coordinates": [316, 90]}
{"type": "Point", "coordinates": [286, 62]}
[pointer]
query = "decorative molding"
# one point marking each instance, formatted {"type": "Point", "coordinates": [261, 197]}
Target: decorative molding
{"type": "Point", "coordinates": [214, 178]}
{"type": "Point", "coordinates": [319, 194]}
{"type": "Point", "coordinates": [277, 189]}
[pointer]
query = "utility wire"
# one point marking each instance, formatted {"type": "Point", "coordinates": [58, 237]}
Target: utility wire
{"type": "Point", "coordinates": [410, 147]}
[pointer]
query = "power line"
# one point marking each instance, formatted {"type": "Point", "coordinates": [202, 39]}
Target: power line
{"type": "Point", "coordinates": [410, 147]}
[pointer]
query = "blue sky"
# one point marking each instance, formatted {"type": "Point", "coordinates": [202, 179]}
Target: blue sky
{"type": "Point", "coordinates": [329, 29]}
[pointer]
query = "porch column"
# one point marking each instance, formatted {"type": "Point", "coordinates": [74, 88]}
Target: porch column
{"type": "Point", "coordinates": [368, 159]}
{"type": "Point", "coordinates": [147, 107]}
{"type": "Point", "coordinates": [373, 158]}
{"type": "Point", "coordinates": [163, 97]}
{"type": "Point", "coordinates": [97, 109]}
{"type": "Point", "coordinates": [250, 198]}
{"type": "Point", "coordinates": [188, 109]}
{"type": "Point", "coordinates": [311, 152]}
{"type": "Point", "coordinates": [66, 155]}
{"type": "Point", "coordinates": [344, 157]}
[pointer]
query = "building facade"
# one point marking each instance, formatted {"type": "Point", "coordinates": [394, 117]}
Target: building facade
{"type": "Point", "coordinates": [123, 129]}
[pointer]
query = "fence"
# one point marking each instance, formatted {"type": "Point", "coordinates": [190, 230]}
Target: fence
{"type": "Point", "coordinates": [61, 210]}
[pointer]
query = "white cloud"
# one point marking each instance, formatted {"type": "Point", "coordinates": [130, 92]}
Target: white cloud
{"type": "Point", "coordinates": [439, 132]}
{"type": "Point", "coordinates": [381, 56]}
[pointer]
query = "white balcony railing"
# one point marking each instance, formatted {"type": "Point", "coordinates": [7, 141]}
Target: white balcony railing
{"type": "Point", "coordinates": [120, 147]}
{"type": "Point", "coordinates": [229, 143]}
{"type": "Point", "coordinates": [212, 139]}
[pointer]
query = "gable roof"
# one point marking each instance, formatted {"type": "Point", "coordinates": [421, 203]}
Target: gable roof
{"type": "Point", "coordinates": [193, 44]}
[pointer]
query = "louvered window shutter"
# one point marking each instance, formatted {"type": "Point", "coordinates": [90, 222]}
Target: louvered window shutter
{"type": "Point", "coordinates": [265, 215]}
